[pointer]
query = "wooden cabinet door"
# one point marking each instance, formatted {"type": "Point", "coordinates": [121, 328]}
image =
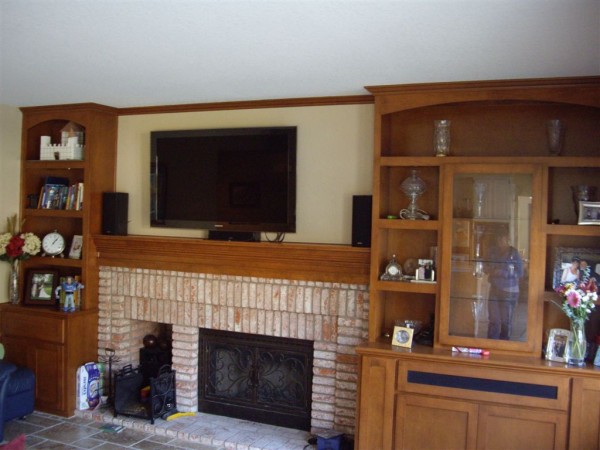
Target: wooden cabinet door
{"type": "Point", "coordinates": [585, 414]}
{"type": "Point", "coordinates": [506, 428]}
{"type": "Point", "coordinates": [376, 403]}
{"type": "Point", "coordinates": [46, 360]}
{"type": "Point", "coordinates": [432, 423]}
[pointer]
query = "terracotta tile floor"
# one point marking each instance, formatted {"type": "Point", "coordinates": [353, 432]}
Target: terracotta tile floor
{"type": "Point", "coordinates": [200, 432]}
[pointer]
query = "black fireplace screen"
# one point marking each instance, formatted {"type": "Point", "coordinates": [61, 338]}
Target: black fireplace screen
{"type": "Point", "coordinates": [255, 377]}
{"type": "Point", "coordinates": [129, 398]}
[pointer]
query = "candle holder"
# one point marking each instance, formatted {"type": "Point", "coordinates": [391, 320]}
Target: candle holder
{"type": "Point", "coordinates": [413, 187]}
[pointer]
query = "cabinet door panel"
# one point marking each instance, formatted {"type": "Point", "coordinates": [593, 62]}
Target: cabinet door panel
{"type": "Point", "coordinates": [46, 361]}
{"type": "Point", "coordinates": [378, 379]}
{"type": "Point", "coordinates": [505, 428]}
{"type": "Point", "coordinates": [487, 295]}
{"type": "Point", "coordinates": [585, 415]}
{"type": "Point", "coordinates": [434, 423]}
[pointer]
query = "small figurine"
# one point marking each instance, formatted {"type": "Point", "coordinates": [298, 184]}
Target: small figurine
{"type": "Point", "coordinates": [70, 286]}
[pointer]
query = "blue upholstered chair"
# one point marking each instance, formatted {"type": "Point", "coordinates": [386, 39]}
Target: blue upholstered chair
{"type": "Point", "coordinates": [17, 393]}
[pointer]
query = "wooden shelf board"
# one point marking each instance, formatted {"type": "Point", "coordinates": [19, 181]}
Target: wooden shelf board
{"type": "Point", "coordinates": [406, 286]}
{"type": "Point", "coordinates": [573, 230]}
{"type": "Point", "coordinates": [53, 213]}
{"type": "Point", "coordinates": [297, 261]}
{"type": "Point", "coordinates": [399, 224]}
{"type": "Point", "coordinates": [58, 262]}
{"type": "Point", "coordinates": [49, 165]}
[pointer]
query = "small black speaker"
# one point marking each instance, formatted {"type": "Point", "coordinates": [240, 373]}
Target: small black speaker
{"type": "Point", "coordinates": [361, 220]}
{"type": "Point", "coordinates": [115, 206]}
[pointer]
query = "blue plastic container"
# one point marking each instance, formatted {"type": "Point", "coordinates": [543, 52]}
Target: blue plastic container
{"type": "Point", "coordinates": [329, 440]}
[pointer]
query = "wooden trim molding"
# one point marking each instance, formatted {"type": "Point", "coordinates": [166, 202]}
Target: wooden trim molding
{"type": "Point", "coordinates": [250, 104]}
{"type": "Point", "coordinates": [294, 261]}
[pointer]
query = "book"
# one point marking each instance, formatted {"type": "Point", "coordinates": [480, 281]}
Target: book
{"type": "Point", "coordinates": [59, 181]}
{"type": "Point", "coordinates": [50, 196]}
{"type": "Point", "coordinates": [61, 196]}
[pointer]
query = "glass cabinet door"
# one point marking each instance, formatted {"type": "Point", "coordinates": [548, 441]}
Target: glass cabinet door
{"type": "Point", "coordinates": [486, 292]}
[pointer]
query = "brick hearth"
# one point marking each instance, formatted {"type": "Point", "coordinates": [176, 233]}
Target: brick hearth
{"type": "Point", "coordinates": [133, 301]}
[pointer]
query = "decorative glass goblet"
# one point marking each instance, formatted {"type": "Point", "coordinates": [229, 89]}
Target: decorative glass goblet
{"type": "Point", "coordinates": [413, 187]}
{"type": "Point", "coordinates": [479, 188]}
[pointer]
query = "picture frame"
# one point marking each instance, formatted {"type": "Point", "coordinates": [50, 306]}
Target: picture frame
{"type": "Point", "coordinates": [403, 337]}
{"type": "Point", "coordinates": [563, 259]}
{"type": "Point", "coordinates": [461, 235]}
{"type": "Point", "coordinates": [589, 213]}
{"type": "Point", "coordinates": [76, 247]}
{"type": "Point", "coordinates": [41, 284]}
{"type": "Point", "coordinates": [557, 344]}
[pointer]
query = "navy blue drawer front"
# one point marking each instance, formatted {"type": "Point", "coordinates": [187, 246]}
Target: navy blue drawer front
{"type": "Point", "coordinates": [483, 384]}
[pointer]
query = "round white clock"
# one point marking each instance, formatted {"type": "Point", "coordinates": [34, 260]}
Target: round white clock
{"type": "Point", "coordinates": [53, 244]}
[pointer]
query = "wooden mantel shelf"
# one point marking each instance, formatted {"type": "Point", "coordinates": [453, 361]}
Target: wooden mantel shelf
{"type": "Point", "coordinates": [295, 261]}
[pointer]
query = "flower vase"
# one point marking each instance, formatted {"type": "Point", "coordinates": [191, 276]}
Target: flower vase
{"type": "Point", "coordinates": [13, 284]}
{"type": "Point", "coordinates": [577, 344]}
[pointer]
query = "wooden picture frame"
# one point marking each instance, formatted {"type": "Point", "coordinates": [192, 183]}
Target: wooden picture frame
{"type": "Point", "coordinates": [41, 284]}
{"type": "Point", "coordinates": [461, 235]}
{"type": "Point", "coordinates": [556, 347]}
{"type": "Point", "coordinates": [563, 258]}
{"type": "Point", "coordinates": [403, 337]}
{"type": "Point", "coordinates": [589, 213]}
{"type": "Point", "coordinates": [76, 246]}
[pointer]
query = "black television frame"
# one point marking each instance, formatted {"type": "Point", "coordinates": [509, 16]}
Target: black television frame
{"type": "Point", "coordinates": [289, 226]}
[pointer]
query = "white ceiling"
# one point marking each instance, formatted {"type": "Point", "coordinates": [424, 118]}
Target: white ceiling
{"type": "Point", "coordinates": [128, 53]}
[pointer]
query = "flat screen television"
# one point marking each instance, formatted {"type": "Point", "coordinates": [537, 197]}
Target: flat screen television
{"type": "Point", "coordinates": [231, 179]}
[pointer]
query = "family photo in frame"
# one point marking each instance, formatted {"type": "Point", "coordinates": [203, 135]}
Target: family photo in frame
{"type": "Point", "coordinates": [576, 264]}
{"type": "Point", "coordinates": [589, 213]}
{"type": "Point", "coordinates": [557, 344]}
{"type": "Point", "coordinates": [40, 287]}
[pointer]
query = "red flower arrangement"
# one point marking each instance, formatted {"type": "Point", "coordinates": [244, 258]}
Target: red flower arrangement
{"type": "Point", "coordinates": [15, 246]}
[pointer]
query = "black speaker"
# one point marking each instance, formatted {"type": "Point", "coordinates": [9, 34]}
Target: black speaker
{"type": "Point", "coordinates": [361, 220]}
{"type": "Point", "coordinates": [114, 213]}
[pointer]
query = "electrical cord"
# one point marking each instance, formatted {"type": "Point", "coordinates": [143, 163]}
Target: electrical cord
{"type": "Point", "coordinates": [419, 214]}
{"type": "Point", "coordinates": [279, 237]}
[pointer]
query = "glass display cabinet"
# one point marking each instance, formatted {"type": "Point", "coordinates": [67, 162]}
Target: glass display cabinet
{"type": "Point", "coordinates": [488, 255]}
{"type": "Point", "coordinates": [500, 209]}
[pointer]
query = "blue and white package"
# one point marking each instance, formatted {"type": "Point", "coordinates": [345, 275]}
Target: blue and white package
{"type": "Point", "coordinates": [88, 386]}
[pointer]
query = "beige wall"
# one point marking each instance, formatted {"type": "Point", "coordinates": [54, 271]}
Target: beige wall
{"type": "Point", "coordinates": [334, 162]}
{"type": "Point", "coordinates": [10, 150]}
{"type": "Point", "coordinates": [335, 148]}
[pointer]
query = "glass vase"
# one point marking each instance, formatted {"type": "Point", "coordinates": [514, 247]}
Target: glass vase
{"type": "Point", "coordinates": [441, 137]}
{"type": "Point", "coordinates": [13, 284]}
{"type": "Point", "coordinates": [556, 136]}
{"type": "Point", "coordinates": [577, 344]}
{"type": "Point", "coordinates": [582, 193]}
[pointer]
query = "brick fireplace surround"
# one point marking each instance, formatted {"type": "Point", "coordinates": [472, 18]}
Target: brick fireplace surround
{"type": "Point", "coordinates": [133, 301]}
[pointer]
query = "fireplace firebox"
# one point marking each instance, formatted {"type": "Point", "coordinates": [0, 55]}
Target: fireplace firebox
{"type": "Point", "coordinates": [260, 378]}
